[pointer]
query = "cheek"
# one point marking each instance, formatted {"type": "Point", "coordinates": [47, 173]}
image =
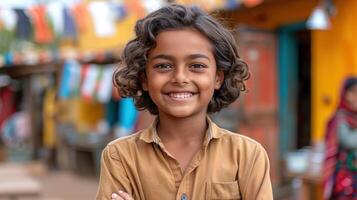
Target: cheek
{"type": "Point", "coordinates": [207, 84]}
{"type": "Point", "coordinates": [351, 97]}
{"type": "Point", "coordinates": [155, 86]}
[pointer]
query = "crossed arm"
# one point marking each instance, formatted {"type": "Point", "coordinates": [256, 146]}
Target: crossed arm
{"type": "Point", "coordinates": [120, 195]}
{"type": "Point", "coordinates": [111, 172]}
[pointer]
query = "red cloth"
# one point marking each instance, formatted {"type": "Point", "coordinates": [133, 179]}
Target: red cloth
{"type": "Point", "coordinates": [81, 16]}
{"type": "Point", "coordinates": [43, 33]}
{"type": "Point", "coordinates": [7, 104]}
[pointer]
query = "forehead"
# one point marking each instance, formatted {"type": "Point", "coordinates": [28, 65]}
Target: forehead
{"type": "Point", "coordinates": [182, 42]}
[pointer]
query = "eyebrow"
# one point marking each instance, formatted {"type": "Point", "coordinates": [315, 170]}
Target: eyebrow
{"type": "Point", "coordinates": [190, 57]}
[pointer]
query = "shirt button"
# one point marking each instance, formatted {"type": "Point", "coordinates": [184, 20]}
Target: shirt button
{"type": "Point", "coordinates": [184, 197]}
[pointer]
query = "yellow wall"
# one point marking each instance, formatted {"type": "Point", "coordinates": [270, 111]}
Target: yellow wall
{"type": "Point", "coordinates": [334, 56]}
{"type": "Point", "coordinates": [125, 32]}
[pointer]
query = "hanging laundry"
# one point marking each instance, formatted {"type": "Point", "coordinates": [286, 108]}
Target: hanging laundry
{"type": "Point", "coordinates": [70, 79]}
{"type": "Point", "coordinates": [90, 81]}
{"type": "Point", "coordinates": [103, 17]}
{"type": "Point", "coordinates": [23, 25]}
{"type": "Point", "coordinates": [152, 5]}
{"type": "Point", "coordinates": [8, 18]}
{"type": "Point", "coordinates": [42, 31]}
{"type": "Point", "coordinates": [97, 84]}
{"type": "Point", "coordinates": [7, 103]}
{"type": "Point", "coordinates": [135, 7]}
{"type": "Point", "coordinates": [84, 71]}
{"type": "Point", "coordinates": [64, 89]}
{"type": "Point", "coordinates": [70, 29]}
{"type": "Point", "coordinates": [56, 15]}
{"type": "Point", "coordinates": [81, 16]}
{"type": "Point", "coordinates": [105, 86]}
{"type": "Point", "coordinates": [120, 11]}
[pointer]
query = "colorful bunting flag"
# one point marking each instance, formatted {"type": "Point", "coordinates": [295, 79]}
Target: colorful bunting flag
{"type": "Point", "coordinates": [103, 17]}
{"type": "Point", "coordinates": [90, 82]}
{"type": "Point", "coordinates": [70, 79]}
{"type": "Point", "coordinates": [8, 18]}
{"type": "Point", "coordinates": [43, 33]}
{"type": "Point", "coordinates": [56, 15]}
{"type": "Point", "coordinates": [81, 16]}
{"type": "Point", "coordinates": [105, 86]}
{"type": "Point", "coordinates": [23, 26]}
{"type": "Point", "coordinates": [135, 7]}
{"type": "Point", "coordinates": [70, 29]}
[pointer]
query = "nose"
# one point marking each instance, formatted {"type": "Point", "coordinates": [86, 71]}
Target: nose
{"type": "Point", "coordinates": [180, 75]}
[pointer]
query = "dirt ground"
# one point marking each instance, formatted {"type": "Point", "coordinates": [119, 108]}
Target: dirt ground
{"type": "Point", "coordinates": [54, 184]}
{"type": "Point", "coordinates": [64, 185]}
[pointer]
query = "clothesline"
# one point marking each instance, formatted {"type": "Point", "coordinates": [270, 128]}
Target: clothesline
{"type": "Point", "coordinates": [45, 23]}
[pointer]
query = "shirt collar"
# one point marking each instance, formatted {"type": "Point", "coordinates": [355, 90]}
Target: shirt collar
{"type": "Point", "coordinates": [150, 135]}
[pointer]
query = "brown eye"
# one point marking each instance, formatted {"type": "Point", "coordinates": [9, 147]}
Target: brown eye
{"type": "Point", "coordinates": [163, 67]}
{"type": "Point", "coordinates": [198, 67]}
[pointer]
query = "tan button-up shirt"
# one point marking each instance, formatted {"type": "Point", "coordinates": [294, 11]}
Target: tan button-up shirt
{"type": "Point", "coordinates": [228, 166]}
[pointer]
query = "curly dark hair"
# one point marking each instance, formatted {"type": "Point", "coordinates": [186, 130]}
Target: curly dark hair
{"type": "Point", "coordinates": [175, 17]}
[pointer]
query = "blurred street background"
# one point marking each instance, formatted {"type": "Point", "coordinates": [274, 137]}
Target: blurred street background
{"type": "Point", "coordinates": [58, 107]}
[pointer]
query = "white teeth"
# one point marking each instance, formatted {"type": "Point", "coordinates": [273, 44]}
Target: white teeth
{"type": "Point", "coordinates": [181, 95]}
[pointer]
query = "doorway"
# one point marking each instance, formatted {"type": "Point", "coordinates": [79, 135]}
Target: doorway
{"type": "Point", "coordinates": [303, 137]}
{"type": "Point", "coordinates": [294, 86]}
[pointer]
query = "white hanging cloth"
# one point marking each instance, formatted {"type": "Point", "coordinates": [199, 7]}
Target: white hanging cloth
{"type": "Point", "coordinates": [103, 18]}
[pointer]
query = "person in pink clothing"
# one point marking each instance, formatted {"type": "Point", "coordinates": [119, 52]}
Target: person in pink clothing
{"type": "Point", "coordinates": [340, 173]}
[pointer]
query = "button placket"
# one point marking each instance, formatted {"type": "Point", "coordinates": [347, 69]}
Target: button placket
{"type": "Point", "coordinates": [184, 197]}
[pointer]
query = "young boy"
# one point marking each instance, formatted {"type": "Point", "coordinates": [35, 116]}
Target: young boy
{"type": "Point", "coordinates": [181, 66]}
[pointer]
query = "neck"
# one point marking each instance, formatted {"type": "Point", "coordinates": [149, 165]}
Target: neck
{"type": "Point", "coordinates": [187, 130]}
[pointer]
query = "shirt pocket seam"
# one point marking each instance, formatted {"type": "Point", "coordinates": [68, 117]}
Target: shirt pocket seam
{"type": "Point", "coordinates": [223, 190]}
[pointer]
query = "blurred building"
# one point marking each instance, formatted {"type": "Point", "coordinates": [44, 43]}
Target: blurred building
{"type": "Point", "coordinates": [298, 62]}
{"type": "Point", "coordinates": [56, 102]}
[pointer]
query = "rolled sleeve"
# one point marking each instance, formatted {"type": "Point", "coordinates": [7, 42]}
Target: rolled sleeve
{"type": "Point", "coordinates": [257, 181]}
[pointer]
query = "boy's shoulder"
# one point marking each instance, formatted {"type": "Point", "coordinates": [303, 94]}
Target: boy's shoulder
{"type": "Point", "coordinates": [236, 137]}
{"type": "Point", "coordinates": [238, 141]}
{"type": "Point", "coordinates": [127, 140]}
{"type": "Point", "coordinates": [124, 145]}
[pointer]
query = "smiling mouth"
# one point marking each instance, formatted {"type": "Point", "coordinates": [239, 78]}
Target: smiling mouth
{"type": "Point", "coordinates": [180, 95]}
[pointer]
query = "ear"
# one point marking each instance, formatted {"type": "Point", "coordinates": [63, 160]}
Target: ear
{"type": "Point", "coordinates": [219, 79]}
{"type": "Point", "coordinates": [144, 82]}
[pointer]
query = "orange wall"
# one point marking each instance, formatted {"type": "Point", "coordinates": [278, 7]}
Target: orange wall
{"type": "Point", "coordinates": [334, 56]}
{"type": "Point", "coordinates": [271, 15]}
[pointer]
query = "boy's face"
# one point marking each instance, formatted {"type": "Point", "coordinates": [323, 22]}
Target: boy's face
{"type": "Point", "coordinates": [181, 73]}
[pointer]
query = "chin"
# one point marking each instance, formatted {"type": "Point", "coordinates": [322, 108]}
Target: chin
{"type": "Point", "coordinates": [180, 113]}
